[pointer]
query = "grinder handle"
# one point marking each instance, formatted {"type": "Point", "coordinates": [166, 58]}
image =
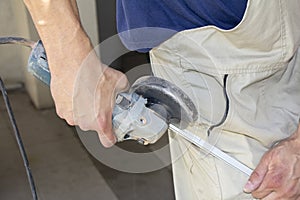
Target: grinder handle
{"type": "Point", "coordinates": [38, 66]}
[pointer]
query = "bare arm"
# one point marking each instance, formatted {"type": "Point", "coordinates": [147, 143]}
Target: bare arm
{"type": "Point", "coordinates": [82, 87]}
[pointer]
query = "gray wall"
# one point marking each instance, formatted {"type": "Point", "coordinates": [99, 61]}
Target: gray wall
{"type": "Point", "coordinates": [15, 21]}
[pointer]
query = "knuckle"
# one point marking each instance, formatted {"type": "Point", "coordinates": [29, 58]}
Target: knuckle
{"type": "Point", "coordinates": [58, 111]}
{"type": "Point", "coordinates": [255, 194]}
{"type": "Point", "coordinates": [104, 130]}
{"type": "Point", "coordinates": [70, 122]}
{"type": "Point", "coordinates": [60, 114]}
{"type": "Point", "coordinates": [66, 116]}
{"type": "Point", "coordinates": [255, 175]}
{"type": "Point", "coordinates": [258, 195]}
{"type": "Point", "coordinates": [84, 127]}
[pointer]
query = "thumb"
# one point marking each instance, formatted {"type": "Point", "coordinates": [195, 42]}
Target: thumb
{"type": "Point", "coordinates": [257, 176]}
{"type": "Point", "coordinates": [104, 129]}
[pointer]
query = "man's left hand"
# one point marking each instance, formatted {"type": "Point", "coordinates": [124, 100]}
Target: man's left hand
{"type": "Point", "coordinates": [277, 176]}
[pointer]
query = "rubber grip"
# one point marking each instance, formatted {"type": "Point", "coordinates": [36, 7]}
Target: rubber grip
{"type": "Point", "coordinates": [37, 63]}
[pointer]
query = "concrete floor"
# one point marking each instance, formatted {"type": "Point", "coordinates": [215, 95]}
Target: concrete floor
{"type": "Point", "coordinates": [61, 166]}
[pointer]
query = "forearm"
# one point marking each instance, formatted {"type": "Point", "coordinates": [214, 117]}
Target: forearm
{"type": "Point", "coordinates": [82, 87]}
{"type": "Point", "coordinates": [59, 27]}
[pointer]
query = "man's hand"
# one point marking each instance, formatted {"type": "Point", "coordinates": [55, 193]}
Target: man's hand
{"type": "Point", "coordinates": [278, 174]}
{"type": "Point", "coordinates": [82, 87]}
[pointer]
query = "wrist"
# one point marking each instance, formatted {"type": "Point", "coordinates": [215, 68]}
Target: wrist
{"type": "Point", "coordinates": [65, 55]}
{"type": "Point", "coordinates": [59, 27]}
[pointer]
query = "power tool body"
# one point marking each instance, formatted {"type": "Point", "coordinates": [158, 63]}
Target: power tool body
{"type": "Point", "coordinates": [144, 113]}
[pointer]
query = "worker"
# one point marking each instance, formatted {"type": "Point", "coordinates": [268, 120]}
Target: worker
{"type": "Point", "coordinates": [237, 60]}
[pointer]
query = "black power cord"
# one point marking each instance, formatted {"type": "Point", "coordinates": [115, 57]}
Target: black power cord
{"type": "Point", "coordinates": [19, 139]}
{"type": "Point", "coordinates": [28, 43]}
{"type": "Point", "coordinates": [17, 40]}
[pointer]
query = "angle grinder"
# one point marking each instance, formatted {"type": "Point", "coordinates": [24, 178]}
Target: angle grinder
{"type": "Point", "coordinates": [144, 113]}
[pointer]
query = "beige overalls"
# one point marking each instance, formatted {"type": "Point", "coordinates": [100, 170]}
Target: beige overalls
{"type": "Point", "coordinates": [257, 65]}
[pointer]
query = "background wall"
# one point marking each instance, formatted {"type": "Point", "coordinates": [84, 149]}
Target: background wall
{"type": "Point", "coordinates": [98, 19]}
{"type": "Point", "coordinates": [15, 21]}
{"type": "Point", "coordinates": [88, 16]}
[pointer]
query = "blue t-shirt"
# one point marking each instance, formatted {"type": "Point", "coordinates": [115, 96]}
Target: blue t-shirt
{"type": "Point", "coordinates": [144, 24]}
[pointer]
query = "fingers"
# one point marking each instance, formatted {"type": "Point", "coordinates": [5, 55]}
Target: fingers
{"type": "Point", "coordinates": [277, 185]}
{"type": "Point", "coordinates": [96, 86]}
{"type": "Point", "coordinates": [122, 84]}
{"type": "Point", "coordinates": [105, 132]}
{"type": "Point", "coordinates": [288, 191]}
{"type": "Point", "coordinates": [107, 139]}
{"type": "Point", "coordinates": [109, 84]}
{"type": "Point", "coordinates": [68, 117]}
{"type": "Point", "coordinates": [270, 196]}
{"type": "Point", "coordinates": [257, 176]}
{"type": "Point", "coordinates": [277, 175]}
{"type": "Point", "coordinates": [265, 188]}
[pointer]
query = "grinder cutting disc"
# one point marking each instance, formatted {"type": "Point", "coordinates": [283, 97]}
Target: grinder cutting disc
{"type": "Point", "coordinates": [166, 99]}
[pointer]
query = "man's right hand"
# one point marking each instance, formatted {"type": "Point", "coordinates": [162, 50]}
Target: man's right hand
{"type": "Point", "coordinates": [82, 87]}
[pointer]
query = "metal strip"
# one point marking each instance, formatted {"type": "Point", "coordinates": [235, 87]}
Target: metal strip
{"type": "Point", "coordinates": [211, 149]}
